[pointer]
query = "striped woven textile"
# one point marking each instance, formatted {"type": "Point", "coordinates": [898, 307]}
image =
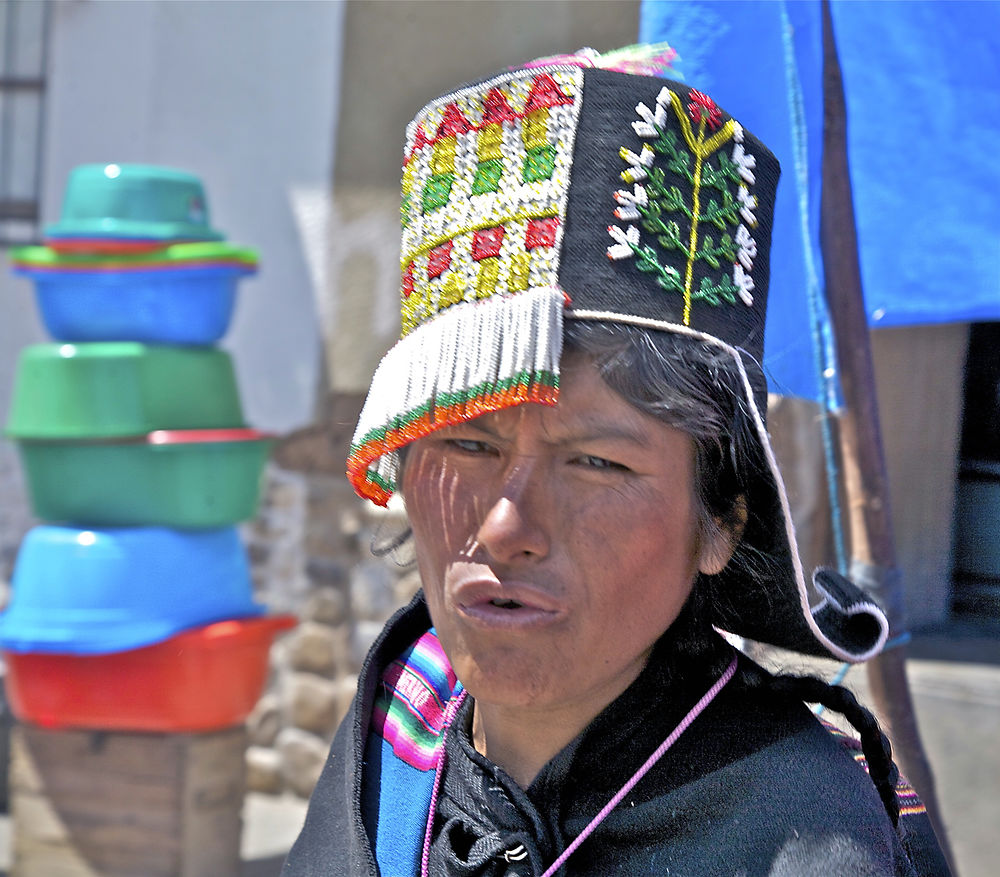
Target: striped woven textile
{"type": "Point", "coordinates": [909, 802]}
{"type": "Point", "coordinates": [409, 708]}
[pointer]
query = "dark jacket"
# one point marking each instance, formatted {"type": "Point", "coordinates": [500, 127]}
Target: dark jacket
{"type": "Point", "coordinates": [755, 786]}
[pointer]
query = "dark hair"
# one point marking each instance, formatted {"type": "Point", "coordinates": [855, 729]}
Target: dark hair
{"type": "Point", "coordinates": [696, 387]}
{"type": "Point", "coordinates": [693, 386]}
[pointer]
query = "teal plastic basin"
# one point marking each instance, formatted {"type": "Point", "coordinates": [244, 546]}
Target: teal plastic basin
{"type": "Point", "coordinates": [184, 479]}
{"type": "Point", "coordinates": [133, 201]}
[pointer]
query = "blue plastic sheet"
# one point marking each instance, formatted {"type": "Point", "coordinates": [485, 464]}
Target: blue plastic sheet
{"type": "Point", "coordinates": [922, 83]}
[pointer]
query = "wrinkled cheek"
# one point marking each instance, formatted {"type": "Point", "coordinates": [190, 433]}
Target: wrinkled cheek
{"type": "Point", "coordinates": [589, 528]}
{"type": "Point", "coordinates": [440, 509]}
{"type": "Point", "coordinates": [443, 523]}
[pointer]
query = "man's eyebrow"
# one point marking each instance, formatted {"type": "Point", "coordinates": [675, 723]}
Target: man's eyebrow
{"type": "Point", "coordinates": [478, 423]}
{"type": "Point", "coordinates": [597, 427]}
{"type": "Point", "coordinates": [584, 428]}
{"type": "Point", "coordinates": [594, 432]}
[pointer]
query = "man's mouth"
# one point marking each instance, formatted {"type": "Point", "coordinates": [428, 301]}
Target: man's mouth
{"type": "Point", "coordinates": [506, 604]}
{"type": "Point", "coordinates": [499, 612]}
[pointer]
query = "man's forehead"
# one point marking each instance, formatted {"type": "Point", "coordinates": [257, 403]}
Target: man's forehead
{"type": "Point", "coordinates": [586, 409]}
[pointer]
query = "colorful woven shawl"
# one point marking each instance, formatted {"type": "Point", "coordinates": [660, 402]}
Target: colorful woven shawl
{"type": "Point", "coordinates": [403, 748]}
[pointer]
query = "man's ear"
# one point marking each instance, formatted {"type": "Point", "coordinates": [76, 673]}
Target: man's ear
{"type": "Point", "coordinates": [718, 546]}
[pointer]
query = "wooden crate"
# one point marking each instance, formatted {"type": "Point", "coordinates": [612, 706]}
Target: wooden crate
{"type": "Point", "coordinates": [111, 804]}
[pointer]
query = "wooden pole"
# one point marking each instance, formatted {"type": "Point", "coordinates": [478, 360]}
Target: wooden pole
{"type": "Point", "coordinates": [863, 462]}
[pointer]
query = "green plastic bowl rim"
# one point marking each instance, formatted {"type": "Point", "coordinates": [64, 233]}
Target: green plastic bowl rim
{"type": "Point", "coordinates": [175, 254]}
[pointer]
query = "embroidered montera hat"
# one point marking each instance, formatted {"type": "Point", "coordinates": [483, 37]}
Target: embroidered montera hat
{"type": "Point", "coordinates": [568, 190]}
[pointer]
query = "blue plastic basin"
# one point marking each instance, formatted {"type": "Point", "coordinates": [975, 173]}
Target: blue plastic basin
{"type": "Point", "coordinates": [192, 306]}
{"type": "Point", "coordinates": [97, 591]}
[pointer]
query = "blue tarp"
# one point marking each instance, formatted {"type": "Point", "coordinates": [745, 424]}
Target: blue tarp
{"type": "Point", "coordinates": [922, 82]}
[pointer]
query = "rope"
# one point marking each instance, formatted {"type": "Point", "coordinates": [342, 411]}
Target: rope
{"type": "Point", "coordinates": [695, 711]}
{"type": "Point", "coordinates": [449, 716]}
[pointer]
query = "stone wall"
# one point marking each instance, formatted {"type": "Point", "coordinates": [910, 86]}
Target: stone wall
{"type": "Point", "coordinates": [15, 517]}
{"type": "Point", "coordinates": [310, 549]}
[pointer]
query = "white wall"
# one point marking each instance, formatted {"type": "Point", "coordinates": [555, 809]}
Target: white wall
{"type": "Point", "coordinates": [243, 94]}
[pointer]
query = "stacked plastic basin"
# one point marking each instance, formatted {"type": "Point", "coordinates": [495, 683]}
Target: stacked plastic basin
{"type": "Point", "coordinates": [132, 605]}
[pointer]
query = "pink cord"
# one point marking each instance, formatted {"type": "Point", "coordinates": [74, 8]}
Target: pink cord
{"type": "Point", "coordinates": [642, 771]}
{"type": "Point", "coordinates": [449, 716]}
{"type": "Point", "coordinates": [456, 703]}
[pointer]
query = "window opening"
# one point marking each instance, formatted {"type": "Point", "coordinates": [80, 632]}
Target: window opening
{"type": "Point", "coordinates": [24, 26]}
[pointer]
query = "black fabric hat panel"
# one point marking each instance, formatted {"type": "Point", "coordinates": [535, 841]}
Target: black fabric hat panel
{"type": "Point", "coordinates": [594, 281]}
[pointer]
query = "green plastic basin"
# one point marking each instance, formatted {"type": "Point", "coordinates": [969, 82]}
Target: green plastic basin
{"type": "Point", "coordinates": [112, 389]}
{"type": "Point", "coordinates": [200, 478]}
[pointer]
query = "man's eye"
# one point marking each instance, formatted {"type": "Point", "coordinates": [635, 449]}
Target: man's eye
{"type": "Point", "coordinates": [600, 463]}
{"type": "Point", "coordinates": [471, 446]}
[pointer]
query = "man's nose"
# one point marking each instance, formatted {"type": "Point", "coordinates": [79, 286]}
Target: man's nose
{"type": "Point", "coordinates": [518, 520]}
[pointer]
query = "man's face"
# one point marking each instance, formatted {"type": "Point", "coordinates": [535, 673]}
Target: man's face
{"type": "Point", "coordinates": [555, 544]}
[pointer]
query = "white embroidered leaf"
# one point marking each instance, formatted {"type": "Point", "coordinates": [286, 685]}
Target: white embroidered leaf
{"type": "Point", "coordinates": [663, 100]}
{"type": "Point", "coordinates": [634, 175]}
{"type": "Point", "coordinates": [748, 204]}
{"type": "Point", "coordinates": [645, 113]}
{"type": "Point", "coordinates": [744, 162]}
{"type": "Point", "coordinates": [637, 196]}
{"type": "Point", "coordinates": [644, 129]}
{"type": "Point", "coordinates": [745, 240]}
{"type": "Point", "coordinates": [625, 242]}
{"type": "Point", "coordinates": [643, 160]}
{"type": "Point", "coordinates": [624, 237]}
{"type": "Point", "coordinates": [744, 284]}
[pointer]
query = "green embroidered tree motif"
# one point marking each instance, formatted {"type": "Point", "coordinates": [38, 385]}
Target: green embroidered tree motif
{"type": "Point", "coordinates": [725, 175]}
{"type": "Point", "coordinates": [678, 161]}
{"type": "Point", "coordinates": [671, 237]}
{"type": "Point", "coordinates": [668, 277]}
{"type": "Point", "coordinates": [715, 255]}
{"type": "Point", "coordinates": [724, 215]}
{"type": "Point", "coordinates": [716, 293]}
{"type": "Point", "coordinates": [705, 175]}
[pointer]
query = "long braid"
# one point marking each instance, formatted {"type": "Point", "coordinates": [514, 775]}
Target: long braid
{"type": "Point", "coordinates": [874, 743]}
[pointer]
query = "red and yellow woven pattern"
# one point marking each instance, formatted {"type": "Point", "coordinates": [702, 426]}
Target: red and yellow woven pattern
{"type": "Point", "coordinates": [485, 178]}
{"type": "Point", "coordinates": [484, 190]}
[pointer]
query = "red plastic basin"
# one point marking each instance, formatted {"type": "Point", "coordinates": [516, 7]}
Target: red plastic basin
{"type": "Point", "coordinates": [203, 679]}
